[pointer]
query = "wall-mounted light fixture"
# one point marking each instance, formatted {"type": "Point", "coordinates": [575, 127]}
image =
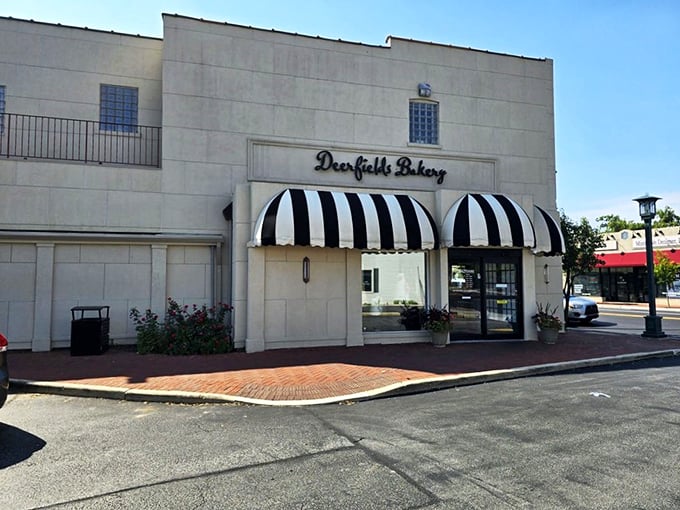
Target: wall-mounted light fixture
{"type": "Point", "coordinates": [305, 270]}
{"type": "Point", "coordinates": [424, 90]}
{"type": "Point", "coordinates": [546, 274]}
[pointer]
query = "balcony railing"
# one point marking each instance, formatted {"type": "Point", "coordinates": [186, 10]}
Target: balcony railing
{"type": "Point", "coordinates": [87, 141]}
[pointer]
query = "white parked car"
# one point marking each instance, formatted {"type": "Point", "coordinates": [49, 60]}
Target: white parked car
{"type": "Point", "coordinates": [582, 309]}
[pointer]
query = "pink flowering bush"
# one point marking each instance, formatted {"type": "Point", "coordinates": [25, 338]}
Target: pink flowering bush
{"type": "Point", "coordinates": [186, 330]}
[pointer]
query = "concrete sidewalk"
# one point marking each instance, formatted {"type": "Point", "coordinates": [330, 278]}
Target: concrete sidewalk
{"type": "Point", "coordinates": [318, 375]}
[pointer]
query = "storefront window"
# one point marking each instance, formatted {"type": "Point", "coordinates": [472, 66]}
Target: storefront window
{"type": "Point", "coordinates": [391, 283]}
{"type": "Point", "coordinates": [587, 285]}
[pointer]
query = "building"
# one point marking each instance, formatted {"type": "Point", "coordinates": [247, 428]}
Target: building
{"type": "Point", "coordinates": [622, 275]}
{"type": "Point", "coordinates": [314, 184]}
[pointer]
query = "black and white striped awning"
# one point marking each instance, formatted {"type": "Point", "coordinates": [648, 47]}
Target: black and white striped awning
{"type": "Point", "coordinates": [479, 219]}
{"type": "Point", "coordinates": [549, 238]}
{"type": "Point", "coordinates": [332, 219]}
{"type": "Point", "coordinates": [484, 219]}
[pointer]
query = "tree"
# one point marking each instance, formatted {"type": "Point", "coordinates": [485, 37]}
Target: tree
{"type": "Point", "coordinates": [665, 272]}
{"type": "Point", "coordinates": [666, 217]}
{"type": "Point", "coordinates": [581, 240]}
{"type": "Point", "coordinates": [614, 223]}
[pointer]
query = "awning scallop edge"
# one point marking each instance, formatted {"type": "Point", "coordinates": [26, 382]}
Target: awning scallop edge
{"type": "Point", "coordinates": [549, 238]}
{"type": "Point", "coordinates": [333, 219]}
{"type": "Point", "coordinates": [485, 219]}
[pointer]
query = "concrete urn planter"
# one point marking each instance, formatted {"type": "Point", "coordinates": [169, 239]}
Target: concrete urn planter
{"type": "Point", "coordinates": [440, 338]}
{"type": "Point", "coordinates": [548, 335]}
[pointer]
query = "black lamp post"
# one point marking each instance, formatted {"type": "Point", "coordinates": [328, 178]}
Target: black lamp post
{"type": "Point", "coordinates": [647, 213]}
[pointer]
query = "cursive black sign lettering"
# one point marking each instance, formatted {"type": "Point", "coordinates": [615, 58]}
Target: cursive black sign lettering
{"type": "Point", "coordinates": [405, 167]}
{"type": "Point", "coordinates": [377, 166]}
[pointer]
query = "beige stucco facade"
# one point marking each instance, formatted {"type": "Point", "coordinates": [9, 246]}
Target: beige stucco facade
{"type": "Point", "coordinates": [244, 115]}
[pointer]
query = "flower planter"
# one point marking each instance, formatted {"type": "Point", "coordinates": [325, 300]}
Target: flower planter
{"type": "Point", "coordinates": [548, 335]}
{"type": "Point", "coordinates": [411, 318]}
{"type": "Point", "coordinates": [440, 338]}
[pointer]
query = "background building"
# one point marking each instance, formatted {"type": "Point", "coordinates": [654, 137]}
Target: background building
{"type": "Point", "coordinates": [623, 275]}
{"type": "Point", "coordinates": [298, 178]}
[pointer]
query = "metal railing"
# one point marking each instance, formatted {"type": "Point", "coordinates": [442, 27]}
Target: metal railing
{"type": "Point", "coordinates": [87, 141]}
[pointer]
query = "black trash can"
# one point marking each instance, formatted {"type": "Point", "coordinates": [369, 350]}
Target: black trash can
{"type": "Point", "coordinates": [89, 334]}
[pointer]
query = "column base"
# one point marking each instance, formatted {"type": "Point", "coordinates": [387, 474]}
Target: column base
{"type": "Point", "coordinates": [653, 327]}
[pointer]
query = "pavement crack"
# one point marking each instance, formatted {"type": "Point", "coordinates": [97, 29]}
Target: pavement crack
{"type": "Point", "coordinates": [378, 458]}
{"type": "Point", "coordinates": [198, 476]}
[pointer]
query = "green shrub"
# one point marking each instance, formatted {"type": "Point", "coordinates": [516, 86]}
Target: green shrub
{"type": "Point", "coordinates": [195, 330]}
{"type": "Point", "coordinates": [149, 331]}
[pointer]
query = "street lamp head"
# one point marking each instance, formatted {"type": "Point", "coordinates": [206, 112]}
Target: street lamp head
{"type": "Point", "coordinates": [647, 206]}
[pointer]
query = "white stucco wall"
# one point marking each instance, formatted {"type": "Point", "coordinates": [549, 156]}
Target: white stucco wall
{"type": "Point", "coordinates": [257, 106]}
{"type": "Point", "coordinates": [244, 112]}
{"type": "Point", "coordinates": [56, 70]}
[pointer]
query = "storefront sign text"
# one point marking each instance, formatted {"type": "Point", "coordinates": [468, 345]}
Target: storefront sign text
{"type": "Point", "coordinates": [378, 166]}
{"type": "Point", "coordinates": [658, 242]}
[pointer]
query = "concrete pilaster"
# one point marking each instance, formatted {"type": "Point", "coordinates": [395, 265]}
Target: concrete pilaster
{"type": "Point", "coordinates": [159, 270]}
{"type": "Point", "coordinates": [42, 316]}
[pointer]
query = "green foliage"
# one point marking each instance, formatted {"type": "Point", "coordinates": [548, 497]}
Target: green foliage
{"type": "Point", "coordinates": [149, 331]}
{"type": "Point", "coordinates": [546, 317]}
{"type": "Point", "coordinates": [412, 316]}
{"type": "Point", "coordinates": [437, 319]}
{"type": "Point", "coordinates": [195, 330]}
{"type": "Point", "coordinates": [665, 271]}
{"type": "Point", "coordinates": [581, 240]}
{"type": "Point", "coordinates": [614, 223]}
{"type": "Point", "coordinates": [666, 218]}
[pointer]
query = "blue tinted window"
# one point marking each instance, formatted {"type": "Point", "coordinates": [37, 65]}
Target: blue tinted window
{"type": "Point", "coordinates": [118, 108]}
{"type": "Point", "coordinates": [423, 122]}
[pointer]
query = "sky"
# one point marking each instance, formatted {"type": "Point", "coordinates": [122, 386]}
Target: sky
{"type": "Point", "coordinates": [616, 70]}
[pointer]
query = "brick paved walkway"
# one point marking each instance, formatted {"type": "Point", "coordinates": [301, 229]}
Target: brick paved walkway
{"type": "Point", "coordinates": [317, 373]}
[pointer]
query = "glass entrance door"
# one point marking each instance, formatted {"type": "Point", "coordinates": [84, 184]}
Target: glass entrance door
{"type": "Point", "coordinates": [501, 297]}
{"type": "Point", "coordinates": [465, 298]}
{"type": "Point", "coordinates": [485, 294]}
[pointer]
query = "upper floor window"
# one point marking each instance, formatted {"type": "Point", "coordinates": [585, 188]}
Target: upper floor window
{"type": "Point", "coordinates": [118, 108]}
{"type": "Point", "coordinates": [2, 109]}
{"type": "Point", "coordinates": [423, 122]}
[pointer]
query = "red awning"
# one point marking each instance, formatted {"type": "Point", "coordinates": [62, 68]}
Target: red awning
{"type": "Point", "coordinates": [634, 259]}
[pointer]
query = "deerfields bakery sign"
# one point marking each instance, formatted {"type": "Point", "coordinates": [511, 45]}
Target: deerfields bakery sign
{"type": "Point", "coordinates": [360, 166]}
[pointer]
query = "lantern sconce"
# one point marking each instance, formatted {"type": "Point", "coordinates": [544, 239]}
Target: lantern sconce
{"type": "Point", "coordinates": [305, 270]}
{"type": "Point", "coordinates": [424, 90]}
{"type": "Point", "coordinates": [546, 274]}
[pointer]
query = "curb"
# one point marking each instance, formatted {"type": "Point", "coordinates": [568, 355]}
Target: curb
{"type": "Point", "coordinates": [402, 388]}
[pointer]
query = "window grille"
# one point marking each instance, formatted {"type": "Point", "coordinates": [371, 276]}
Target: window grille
{"type": "Point", "coordinates": [423, 122]}
{"type": "Point", "coordinates": [118, 108]}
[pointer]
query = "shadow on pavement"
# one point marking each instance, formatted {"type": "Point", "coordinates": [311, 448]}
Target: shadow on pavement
{"type": "Point", "coordinates": [667, 362]}
{"type": "Point", "coordinates": [17, 445]}
{"type": "Point", "coordinates": [597, 324]}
